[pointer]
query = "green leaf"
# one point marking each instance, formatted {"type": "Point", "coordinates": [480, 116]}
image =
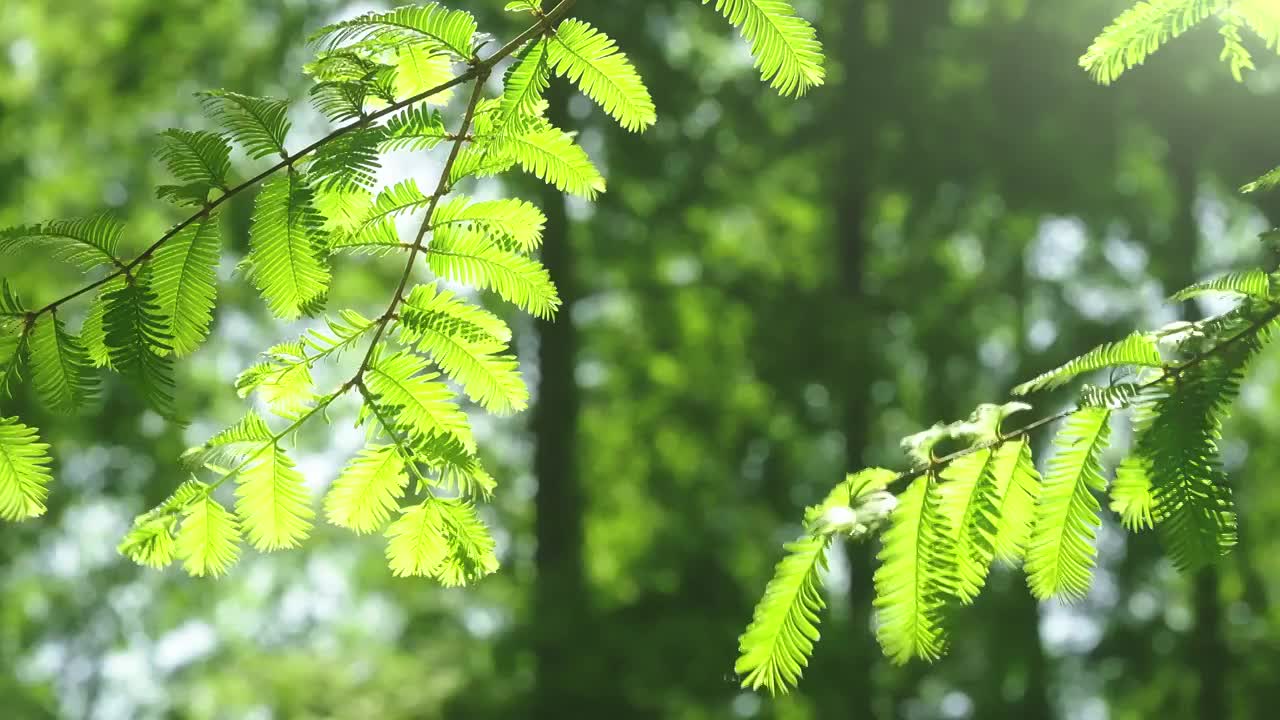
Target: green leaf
{"type": "Point", "coordinates": [340, 100]}
{"type": "Point", "coordinates": [1019, 488]}
{"type": "Point", "coordinates": [136, 335]}
{"type": "Point", "coordinates": [60, 366]}
{"type": "Point", "coordinates": [208, 541]}
{"type": "Point", "coordinates": [283, 381]}
{"type": "Point", "coordinates": [458, 337]}
{"type": "Point", "coordinates": [368, 490]}
{"type": "Point", "coordinates": [200, 159]}
{"type": "Point", "coordinates": [970, 501]}
{"type": "Point", "coordinates": [376, 232]}
{"type": "Point", "coordinates": [418, 128]}
{"type": "Point", "coordinates": [1061, 556]}
{"type": "Point", "coordinates": [272, 501]}
{"type": "Point", "coordinates": [286, 247]}
{"type": "Point", "coordinates": [527, 80]}
{"type": "Point", "coordinates": [231, 446]}
{"type": "Point", "coordinates": [24, 471]}
{"type": "Point", "coordinates": [11, 305]}
{"type": "Point", "coordinates": [551, 155]}
{"type": "Point", "coordinates": [516, 223]}
{"type": "Point", "coordinates": [260, 125]}
{"type": "Point", "coordinates": [776, 647]}
{"type": "Point", "coordinates": [1233, 50]}
{"type": "Point", "coordinates": [1180, 422]}
{"type": "Point", "coordinates": [423, 403]}
{"type": "Point", "coordinates": [1267, 182]}
{"type": "Point", "coordinates": [93, 332]}
{"type": "Point", "coordinates": [443, 539]}
{"type": "Point", "coordinates": [416, 544]}
{"type": "Point", "coordinates": [592, 61]}
{"type": "Point", "coordinates": [14, 338]}
{"type": "Point", "coordinates": [453, 29]}
{"type": "Point", "coordinates": [184, 277]}
{"type": "Point", "coordinates": [469, 257]}
{"type": "Point", "coordinates": [349, 162]}
{"type": "Point", "coordinates": [150, 541]}
{"type": "Point", "coordinates": [471, 554]}
{"type": "Point", "coordinates": [916, 576]}
{"type": "Point", "coordinates": [1136, 349]}
{"type": "Point", "coordinates": [785, 46]}
{"type": "Point", "coordinates": [86, 243]}
{"type": "Point", "coordinates": [1140, 31]}
{"type": "Point", "coordinates": [150, 544]}
{"type": "Point", "coordinates": [421, 67]}
{"type": "Point", "coordinates": [1131, 494]}
{"type": "Point", "coordinates": [1263, 18]}
{"type": "Point", "coordinates": [1250, 283]}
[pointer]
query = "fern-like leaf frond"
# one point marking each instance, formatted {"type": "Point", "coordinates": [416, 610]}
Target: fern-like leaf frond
{"type": "Point", "coordinates": [286, 246]}
{"type": "Point", "coordinates": [423, 403]}
{"type": "Point", "coordinates": [418, 128]}
{"type": "Point", "coordinates": [184, 277]}
{"type": "Point", "coordinates": [458, 337]}
{"type": "Point", "coordinates": [137, 339]}
{"type": "Point", "coordinates": [60, 366]}
{"type": "Point", "coordinates": [1270, 181]}
{"type": "Point", "coordinates": [970, 501]}
{"type": "Point", "coordinates": [785, 45]}
{"type": "Point", "coordinates": [551, 155]}
{"type": "Point", "coordinates": [471, 258]}
{"type": "Point", "coordinates": [24, 471]}
{"type": "Point", "coordinates": [592, 61]}
{"type": "Point", "coordinates": [272, 501]}
{"type": "Point", "coordinates": [776, 646]}
{"type": "Point", "coordinates": [526, 81]}
{"type": "Point", "coordinates": [368, 490]}
{"type": "Point", "coordinates": [1140, 31]}
{"type": "Point", "coordinates": [199, 159]}
{"type": "Point", "coordinates": [208, 541]}
{"type": "Point", "coordinates": [231, 446]}
{"type": "Point", "coordinates": [1061, 555]}
{"type": "Point", "coordinates": [1190, 495]}
{"type": "Point", "coordinates": [1018, 484]}
{"type": "Point", "coordinates": [86, 243]}
{"type": "Point", "coordinates": [1131, 495]}
{"type": "Point", "coordinates": [1250, 283]}
{"type": "Point", "coordinates": [516, 222]}
{"type": "Point", "coordinates": [260, 125]}
{"type": "Point", "coordinates": [452, 29]}
{"type": "Point", "coordinates": [443, 539]}
{"type": "Point", "coordinates": [915, 576]}
{"type": "Point", "coordinates": [1136, 349]}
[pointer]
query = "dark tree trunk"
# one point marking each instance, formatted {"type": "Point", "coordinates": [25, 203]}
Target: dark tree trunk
{"type": "Point", "coordinates": [1209, 656]}
{"type": "Point", "coordinates": [559, 595]}
{"type": "Point", "coordinates": [850, 184]}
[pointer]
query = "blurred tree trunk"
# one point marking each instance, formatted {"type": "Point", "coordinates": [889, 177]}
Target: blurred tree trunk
{"type": "Point", "coordinates": [850, 183]}
{"type": "Point", "coordinates": [1029, 661]}
{"type": "Point", "coordinates": [560, 595]}
{"type": "Point", "coordinates": [1209, 655]}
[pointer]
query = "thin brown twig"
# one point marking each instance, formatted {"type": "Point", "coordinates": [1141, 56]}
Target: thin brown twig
{"type": "Point", "coordinates": [1174, 372]}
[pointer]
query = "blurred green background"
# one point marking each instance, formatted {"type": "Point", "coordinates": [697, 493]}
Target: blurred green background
{"type": "Point", "coordinates": [771, 294]}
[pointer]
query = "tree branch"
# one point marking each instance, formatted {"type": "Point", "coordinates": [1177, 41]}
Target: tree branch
{"type": "Point", "coordinates": [1168, 373]}
{"type": "Point", "coordinates": [479, 69]}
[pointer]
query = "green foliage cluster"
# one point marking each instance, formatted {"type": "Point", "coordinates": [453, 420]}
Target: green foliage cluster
{"type": "Point", "coordinates": [384, 79]}
{"type": "Point", "coordinates": [973, 494]}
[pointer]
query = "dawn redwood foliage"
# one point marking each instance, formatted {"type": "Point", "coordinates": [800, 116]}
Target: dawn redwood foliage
{"type": "Point", "coordinates": [972, 494]}
{"type": "Point", "coordinates": [408, 80]}
{"type": "Point", "coordinates": [423, 78]}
